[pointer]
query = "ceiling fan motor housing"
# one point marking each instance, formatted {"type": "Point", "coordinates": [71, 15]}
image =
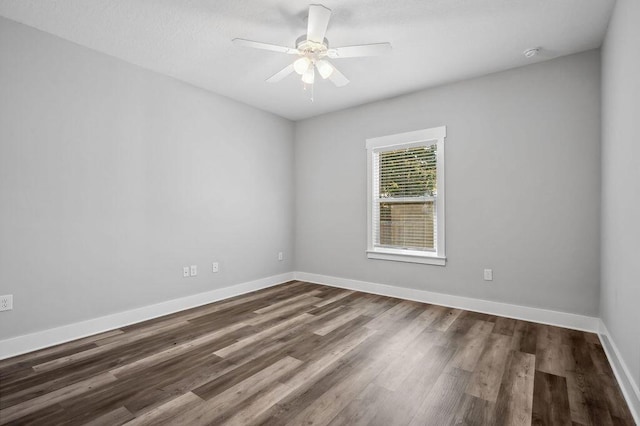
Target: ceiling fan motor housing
{"type": "Point", "coordinates": [311, 48]}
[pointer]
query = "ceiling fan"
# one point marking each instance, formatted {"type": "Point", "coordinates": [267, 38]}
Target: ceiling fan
{"type": "Point", "coordinates": [313, 50]}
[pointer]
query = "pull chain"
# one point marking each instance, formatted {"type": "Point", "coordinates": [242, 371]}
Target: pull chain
{"type": "Point", "coordinates": [304, 87]}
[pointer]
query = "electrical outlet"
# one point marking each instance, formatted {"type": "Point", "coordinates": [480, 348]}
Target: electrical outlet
{"type": "Point", "coordinates": [488, 274]}
{"type": "Point", "coordinates": [215, 267]}
{"type": "Point", "coordinates": [185, 271]}
{"type": "Point", "coordinates": [280, 256]}
{"type": "Point", "coordinates": [6, 302]}
{"type": "Point", "coordinates": [194, 270]}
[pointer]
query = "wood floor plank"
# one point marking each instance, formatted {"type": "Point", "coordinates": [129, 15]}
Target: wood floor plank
{"type": "Point", "coordinates": [395, 373]}
{"type": "Point", "coordinates": [487, 376]}
{"type": "Point", "coordinates": [204, 371]}
{"type": "Point", "coordinates": [167, 411]}
{"type": "Point", "coordinates": [315, 368]}
{"type": "Point", "coordinates": [514, 404]}
{"type": "Point", "coordinates": [56, 363]}
{"type": "Point", "coordinates": [289, 301]}
{"type": "Point", "coordinates": [401, 309]}
{"type": "Point", "coordinates": [550, 356]}
{"type": "Point", "coordinates": [220, 404]}
{"type": "Point", "coordinates": [550, 400]}
{"type": "Point", "coordinates": [239, 345]}
{"type": "Point", "coordinates": [293, 308]}
{"type": "Point", "coordinates": [401, 406]}
{"type": "Point", "coordinates": [347, 316]}
{"type": "Point", "coordinates": [443, 402]}
{"type": "Point", "coordinates": [475, 412]}
{"type": "Point", "coordinates": [334, 299]}
{"type": "Point", "coordinates": [505, 326]}
{"type": "Point", "coordinates": [253, 412]}
{"type": "Point", "coordinates": [303, 353]}
{"type": "Point", "coordinates": [328, 405]}
{"type": "Point", "coordinates": [585, 408]}
{"type": "Point", "coordinates": [116, 417]}
{"type": "Point", "coordinates": [525, 337]}
{"type": "Point", "coordinates": [362, 409]}
{"type": "Point", "coordinates": [448, 317]}
{"type": "Point", "coordinates": [471, 347]}
{"type": "Point", "coordinates": [175, 350]}
{"type": "Point", "coordinates": [16, 411]}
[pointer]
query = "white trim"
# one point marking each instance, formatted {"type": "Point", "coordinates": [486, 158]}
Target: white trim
{"type": "Point", "coordinates": [407, 256]}
{"type": "Point", "coordinates": [407, 137]}
{"type": "Point", "coordinates": [53, 336]}
{"type": "Point", "coordinates": [442, 192]}
{"type": "Point", "coordinates": [542, 316]}
{"type": "Point", "coordinates": [625, 380]}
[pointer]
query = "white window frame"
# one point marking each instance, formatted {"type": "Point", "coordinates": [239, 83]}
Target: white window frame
{"type": "Point", "coordinates": [425, 137]}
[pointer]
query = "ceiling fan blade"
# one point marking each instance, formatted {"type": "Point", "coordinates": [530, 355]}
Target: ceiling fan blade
{"type": "Point", "coordinates": [281, 74]}
{"type": "Point", "coordinates": [338, 78]}
{"type": "Point", "coordinates": [359, 50]}
{"type": "Point", "coordinates": [318, 22]}
{"type": "Point", "coordinates": [264, 46]}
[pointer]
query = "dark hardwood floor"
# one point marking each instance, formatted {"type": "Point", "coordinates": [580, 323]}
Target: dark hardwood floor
{"type": "Point", "coordinates": [303, 354]}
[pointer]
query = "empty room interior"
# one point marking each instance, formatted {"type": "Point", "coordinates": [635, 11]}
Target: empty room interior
{"type": "Point", "coordinates": [349, 213]}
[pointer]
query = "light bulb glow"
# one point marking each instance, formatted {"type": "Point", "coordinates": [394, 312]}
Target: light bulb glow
{"type": "Point", "coordinates": [309, 76]}
{"type": "Point", "coordinates": [301, 65]}
{"type": "Point", "coordinates": [325, 69]}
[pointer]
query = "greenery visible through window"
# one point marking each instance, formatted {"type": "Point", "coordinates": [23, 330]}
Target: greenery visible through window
{"type": "Point", "coordinates": [408, 172]}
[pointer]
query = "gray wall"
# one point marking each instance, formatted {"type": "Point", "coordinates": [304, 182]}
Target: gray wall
{"type": "Point", "coordinates": [112, 178]}
{"type": "Point", "coordinates": [523, 186]}
{"type": "Point", "coordinates": [620, 297]}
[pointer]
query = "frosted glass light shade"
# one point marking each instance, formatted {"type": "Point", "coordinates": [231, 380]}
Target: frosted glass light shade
{"type": "Point", "coordinates": [301, 65]}
{"type": "Point", "coordinates": [309, 75]}
{"type": "Point", "coordinates": [324, 68]}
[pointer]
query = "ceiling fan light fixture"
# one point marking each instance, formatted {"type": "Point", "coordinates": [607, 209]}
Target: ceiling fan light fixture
{"type": "Point", "coordinates": [301, 65]}
{"type": "Point", "coordinates": [312, 48]}
{"type": "Point", "coordinates": [309, 76]}
{"type": "Point", "coordinates": [325, 69]}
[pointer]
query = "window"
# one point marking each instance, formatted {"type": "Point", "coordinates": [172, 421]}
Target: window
{"type": "Point", "coordinates": [406, 197]}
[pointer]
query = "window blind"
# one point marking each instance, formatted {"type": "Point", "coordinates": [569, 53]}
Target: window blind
{"type": "Point", "coordinates": [405, 197]}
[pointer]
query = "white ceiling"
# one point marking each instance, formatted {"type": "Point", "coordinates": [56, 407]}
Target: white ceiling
{"type": "Point", "coordinates": [434, 41]}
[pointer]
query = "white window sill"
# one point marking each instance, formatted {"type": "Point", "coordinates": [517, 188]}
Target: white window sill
{"type": "Point", "coordinates": [407, 256]}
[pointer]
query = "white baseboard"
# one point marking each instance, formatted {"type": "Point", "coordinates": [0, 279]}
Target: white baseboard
{"type": "Point", "coordinates": [543, 316]}
{"type": "Point", "coordinates": [629, 387]}
{"type": "Point", "coordinates": [53, 336]}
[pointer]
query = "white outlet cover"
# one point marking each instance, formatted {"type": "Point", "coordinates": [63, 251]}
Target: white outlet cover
{"type": "Point", "coordinates": [6, 302]}
{"type": "Point", "coordinates": [215, 267]}
{"type": "Point", "coordinates": [185, 271]}
{"type": "Point", "coordinates": [280, 256]}
{"type": "Point", "coordinates": [194, 270]}
{"type": "Point", "coordinates": [488, 274]}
